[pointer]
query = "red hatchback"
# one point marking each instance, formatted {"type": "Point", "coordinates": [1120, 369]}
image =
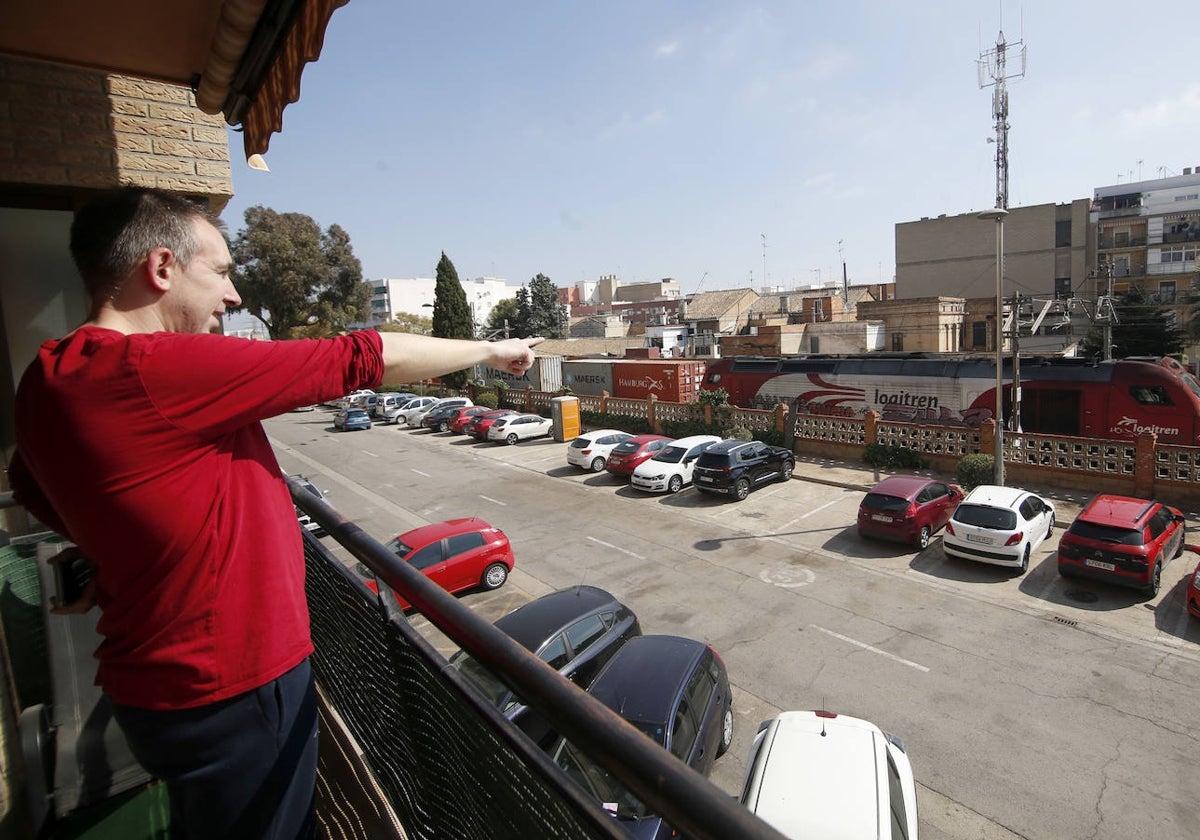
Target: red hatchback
{"type": "Point", "coordinates": [907, 508]}
{"type": "Point", "coordinates": [477, 427]}
{"type": "Point", "coordinates": [457, 555]}
{"type": "Point", "coordinates": [1122, 540]}
{"type": "Point", "coordinates": [629, 453]}
{"type": "Point", "coordinates": [459, 419]}
{"type": "Point", "coordinates": [1193, 586]}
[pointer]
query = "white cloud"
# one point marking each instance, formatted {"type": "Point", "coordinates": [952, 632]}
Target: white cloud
{"type": "Point", "coordinates": [666, 50]}
{"type": "Point", "coordinates": [1166, 114]}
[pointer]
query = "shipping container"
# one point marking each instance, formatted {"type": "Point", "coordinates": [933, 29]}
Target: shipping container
{"type": "Point", "coordinates": [544, 375]}
{"type": "Point", "coordinates": [666, 379]}
{"type": "Point", "coordinates": [588, 376]}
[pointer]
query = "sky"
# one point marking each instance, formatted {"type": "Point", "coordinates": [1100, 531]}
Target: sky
{"type": "Point", "coordinates": [661, 138]}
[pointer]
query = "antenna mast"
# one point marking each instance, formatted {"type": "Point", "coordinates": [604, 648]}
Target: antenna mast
{"type": "Point", "coordinates": [993, 70]}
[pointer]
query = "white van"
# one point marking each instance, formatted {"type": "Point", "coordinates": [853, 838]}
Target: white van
{"type": "Point", "coordinates": [821, 774]}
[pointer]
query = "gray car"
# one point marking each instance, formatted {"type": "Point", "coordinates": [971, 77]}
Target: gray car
{"type": "Point", "coordinates": [575, 631]}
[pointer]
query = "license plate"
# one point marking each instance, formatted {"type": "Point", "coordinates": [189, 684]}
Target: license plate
{"type": "Point", "coordinates": [1100, 564]}
{"type": "Point", "coordinates": [979, 539]}
{"type": "Point", "coordinates": [879, 517]}
{"type": "Point", "coordinates": [706, 479]}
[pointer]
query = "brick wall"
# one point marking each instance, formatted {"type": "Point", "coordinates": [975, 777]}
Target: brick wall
{"type": "Point", "coordinates": [64, 127]}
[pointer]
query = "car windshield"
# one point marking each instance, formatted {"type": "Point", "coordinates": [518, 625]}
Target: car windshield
{"type": "Point", "coordinates": [398, 548]}
{"type": "Point", "coordinates": [1105, 533]}
{"type": "Point", "coordinates": [603, 785]}
{"type": "Point", "coordinates": [986, 516]}
{"type": "Point", "coordinates": [670, 455]}
{"type": "Point", "coordinates": [496, 692]}
{"type": "Point", "coordinates": [882, 501]}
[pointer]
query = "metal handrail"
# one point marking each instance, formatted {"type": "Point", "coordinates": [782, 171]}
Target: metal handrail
{"type": "Point", "coordinates": [676, 792]}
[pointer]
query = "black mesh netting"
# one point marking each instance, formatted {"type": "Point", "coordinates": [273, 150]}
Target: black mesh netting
{"type": "Point", "coordinates": [445, 770]}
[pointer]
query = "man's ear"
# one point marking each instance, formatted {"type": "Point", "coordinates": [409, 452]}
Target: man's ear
{"type": "Point", "coordinates": [159, 265]}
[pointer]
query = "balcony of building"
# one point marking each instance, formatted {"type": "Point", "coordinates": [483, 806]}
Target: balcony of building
{"type": "Point", "coordinates": [409, 747]}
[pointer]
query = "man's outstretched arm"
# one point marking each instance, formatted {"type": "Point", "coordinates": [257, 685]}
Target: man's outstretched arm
{"type": "Point", "coordinates": [410, 358]}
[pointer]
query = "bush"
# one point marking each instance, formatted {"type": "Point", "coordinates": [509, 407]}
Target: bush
{"type": "Point", "coordinates": [487, 398]}
{"type": "Point", "coordinates": [974, 470]}
{"type": "Point", "coordinates": [889, 456]}
{"type": "Point", "coordinates": [739, 433]}
{"type": "Point", "coordinates": [715, 397]}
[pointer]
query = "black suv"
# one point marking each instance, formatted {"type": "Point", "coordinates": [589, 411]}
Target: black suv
{"type": "Point", "coordinates": [736, 466]}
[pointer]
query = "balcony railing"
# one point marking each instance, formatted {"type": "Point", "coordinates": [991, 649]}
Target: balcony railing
{"type": "Point", "coordinates": [1106, 243]}
{"type": "Point", "coordinates": [447, 762]}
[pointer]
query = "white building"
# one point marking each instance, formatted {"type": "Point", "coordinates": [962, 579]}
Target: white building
{"type": "Point", "coordinates": [414, 295]}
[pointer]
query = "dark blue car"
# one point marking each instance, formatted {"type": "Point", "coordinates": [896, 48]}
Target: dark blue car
{"type": "Point", "coordinates": [674, 690]}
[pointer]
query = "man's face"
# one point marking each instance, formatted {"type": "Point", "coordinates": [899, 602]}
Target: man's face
{"type": "Point", "coordinates": [203, 290]}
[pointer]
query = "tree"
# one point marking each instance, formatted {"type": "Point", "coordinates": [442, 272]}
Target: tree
{"type": "Point", "coordinates": [295, 278]}
{"type": "Point", "coordinates": [546, 316]}
{"type": "Point", "coordinates": [502, 319]}
{"type": "Point", "coordinates": [1145, 329]}
{"type": "Point", "coordinates": [451, 313]}
{"type": "Point", "coordinates": [406, 322]}
{"type": "Point", "coordinates": [520, 324]}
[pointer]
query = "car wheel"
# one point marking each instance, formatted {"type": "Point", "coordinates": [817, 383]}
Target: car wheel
{"type": "Point", "coordinates": [923, 537]}
{"type": "Point", "coordinates": [741, 489]}
{"type": "Point", "coordinates": [675, 484]}
{"type": "Point", "coordinates": [726, 732]}
{"type": "Point", "coordinates": [786, 475]}
{"type": "Point", "coordinates": [597, 464]}
{"type": "Point", "coordinates": [494, 576]}
{"type": "Point", "coordinates": [511, 439]}
{"type": "Point", "coordinates": [1064, 571]}
{"type": "Point", "coordinates": [400, 421]}
{"type": "Point", "coordinates": [443, 426]}
{"type": "Point", "coordinates": [1024, 567]}
{"type": "Point", "coordinates": [1155, 580]}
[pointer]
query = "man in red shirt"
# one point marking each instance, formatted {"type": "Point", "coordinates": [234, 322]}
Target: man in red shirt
{"type": "Point", "coordinates": [139, 438]}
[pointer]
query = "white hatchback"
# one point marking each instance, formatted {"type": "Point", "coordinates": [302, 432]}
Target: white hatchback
{"type": "Point", "coordinates": [998, 525]}
{"type": "Point", "coordinates": [671, 468]}
{"type": "Point", "coordinates": [590, 450]}
{"type": "Point", "coordinates": [821, 774]}
{"type": "Point", "coordinates": [517, 427]}
{"type": "Point", "coordinates": [405, 414]}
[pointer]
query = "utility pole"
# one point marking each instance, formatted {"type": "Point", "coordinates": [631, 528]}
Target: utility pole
{"type": "Point", "coordinates": [1014, 419]}
{"type": "Point", "coordinates": [845, 283]}
{"type": "Point", "coordinates": [1108, 311]}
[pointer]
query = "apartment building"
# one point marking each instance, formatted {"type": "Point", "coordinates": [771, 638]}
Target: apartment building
{"type": "Point", "coordinates": [1148, 234]}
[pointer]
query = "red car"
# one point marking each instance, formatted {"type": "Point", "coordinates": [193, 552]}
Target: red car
{"type": "Point", "coordinates": [477, 427]}
{"type": "Point", "coordinates": [458, 420]}
{"type": "Point", "coordinates": [457, 555]}
{"type": "Point", "coordinates": [1122, 540]}
{"type": "Point", "coordinates": [1193, 586]}
{"type": "Point", "coordinates": [907, 508]}
{"type": "Point", "coordinates": [627, 454]}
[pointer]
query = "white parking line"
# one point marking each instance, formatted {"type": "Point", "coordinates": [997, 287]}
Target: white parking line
{"type": "Point", "coordinates": [617, 548]}
{"type": "Point", "coordinates": [493, 501]}
{"type": "Point", "coordinates": [818, 510]}
{"type": "Point", "coordinates": [865, 646]}
{"type": "Point", "coordinates": [368, 452]}
{"type": "Point", "coordinates": [418, 472]}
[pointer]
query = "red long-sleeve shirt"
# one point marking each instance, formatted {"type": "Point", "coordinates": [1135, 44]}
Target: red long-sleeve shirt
{"type": "Point", "coordinates": [147, 451]}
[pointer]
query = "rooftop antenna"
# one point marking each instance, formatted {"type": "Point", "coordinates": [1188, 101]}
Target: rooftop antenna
{"type": "Point", "coordinates": [993, 70]}
{"type": "Point", "coordinates": [764, 239]}
{"type": "Point", "coordinates": [845, 284]}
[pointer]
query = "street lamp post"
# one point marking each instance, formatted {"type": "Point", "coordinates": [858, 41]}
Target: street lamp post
{"type": "Point", "coordinates": [997, 215]}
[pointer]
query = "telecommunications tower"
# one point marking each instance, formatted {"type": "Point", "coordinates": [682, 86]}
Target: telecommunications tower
{"type": "Point", "coordinates": [993, 70]}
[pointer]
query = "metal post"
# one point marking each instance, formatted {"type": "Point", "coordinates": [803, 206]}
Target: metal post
{"type": "Point", "coordinates": [997, 215]}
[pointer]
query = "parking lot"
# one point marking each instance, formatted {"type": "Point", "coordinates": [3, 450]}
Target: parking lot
{"type": "Point", "coordinates": [1032, 705]}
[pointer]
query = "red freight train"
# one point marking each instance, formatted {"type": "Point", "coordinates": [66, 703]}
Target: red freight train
{"type": "Point", "coordinates": [1077, 397]}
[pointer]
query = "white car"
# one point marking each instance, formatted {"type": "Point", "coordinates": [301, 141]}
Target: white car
{"type": "Point", "coordinates": [821, 774]}
{"type": "Point", "coordinates": [355, 399]}
{"type": "Point", "coordinates": [590, 450]}
{"type": "Point", "coordinates": [517, 427]}
{"type": "Point", "coordinates": [387, 405]}
{"type": "Point", "coordinates": [998, 525]}
{"type": "Point", "coordinates": [671, 468]}
{"type": "Point", "coordinates": [405, 414]}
